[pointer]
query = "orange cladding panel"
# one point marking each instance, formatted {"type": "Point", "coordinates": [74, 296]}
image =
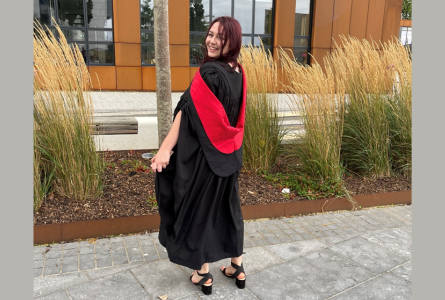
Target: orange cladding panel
{"type": "Point", "coordinates": [102, 77]}
{"type": "Point", "coordinates": [277, 52]}
{"type": "Point", "coordinates": [374, 27]}
{"type": "Point", "coordinates": [284, 23]}
{"type": "Point", "coordinates": [391, 23]}
{"type": "Point", "coordinates": [128, 55]}
{"type": "Point", "coordinates": [283, 81]}
{"type": "Point", "coordinates": [193, 71]}
{"type": "Point", "coordinates": [318, 54]}
{"type": "Point", "coordinates": [180, 78]}
{"type": "Point", "coordinates": [341, 21]}
{"type": "Point", "coordinates": [179, 55]}
{"type": "Point", "coordinates": [322, 23]}
{"type": "Point", "coordinates": [178, 21]}
{"type": "Point", "coordinates": [149, 78]}
{"type": "Point", "coordinates": [127, 28]}
{"type": "Point", "coordinates": [359, 18]}
{"type": "Point", "coordinates": [129, 78]}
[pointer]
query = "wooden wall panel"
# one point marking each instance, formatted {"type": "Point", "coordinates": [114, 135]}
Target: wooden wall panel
{"type": "Point", "coordinates": [391, 21]}
{"type": "Point", "coordinates": [106, 75]}
{"type": "Point", "coordinates": [149, 78]}
{"type": "Point", "coordinates": [359, 18]}
{"type": "Point", "coordinates": [128, 55]}
{"type": "Point", "coordinates": [341, 21]}
{"type": "Point", "coordinates": [129, 78]}
{"type": "Point", "coordinates": [322, 23]}
{"type": "Point", "coordinates": [127, 24]}
{"type": "Point", "coordinates": [374, 26]}
{"type": "Point", "coordinates": [284, 23]}
{"type": "Point", "coordinates": [178, 21]}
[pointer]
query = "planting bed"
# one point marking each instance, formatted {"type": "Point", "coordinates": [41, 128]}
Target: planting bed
{"type": "Point", "coordinates": [129, 191]}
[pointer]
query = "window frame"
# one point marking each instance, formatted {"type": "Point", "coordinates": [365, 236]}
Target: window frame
{"type": "Point", "coordinates": [146, 43]}
{"type": "Point", "coordinates": [308, 48]}
{"type": "Point", "coordinates": [86, 29]}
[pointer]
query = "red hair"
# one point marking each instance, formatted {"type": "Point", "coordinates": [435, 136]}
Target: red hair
{"type": "Point", "coordinates": [230, 30]}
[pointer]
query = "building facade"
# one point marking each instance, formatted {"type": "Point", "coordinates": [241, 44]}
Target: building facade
{"type": "Point", "coordinates": [117, 41]}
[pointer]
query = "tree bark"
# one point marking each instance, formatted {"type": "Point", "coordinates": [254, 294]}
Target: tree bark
{"type": "Point", "coordinates": [162, 60]}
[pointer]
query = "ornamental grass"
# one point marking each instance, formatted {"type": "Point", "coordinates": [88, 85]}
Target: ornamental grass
{"type": "Point", "coordinates": [377, 121]}
{"type": "Point", "coordinates": [63, 116]}
{"type": "Point", "coordinates": [263, 131]}
{"type": "Point", "coordinates": [319, 98]}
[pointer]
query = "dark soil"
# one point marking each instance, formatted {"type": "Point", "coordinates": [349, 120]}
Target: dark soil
{"type": "Point", "coordinates": [129, 191]}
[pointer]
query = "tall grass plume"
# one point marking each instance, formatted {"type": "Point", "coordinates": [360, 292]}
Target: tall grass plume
{"type": "Point", "coordinates": [263, 132]}
{"type": "Point", "coordinates": [63, 115]}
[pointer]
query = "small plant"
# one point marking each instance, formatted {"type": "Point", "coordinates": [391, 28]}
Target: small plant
{"type": "Point", "coordinates": [139, 167]}
{"type": "Point", "coordinates": [151, 201]}
{"type": "Point", "coordinates": [125, 161]}
{"type": "Point", "coordinates": [306, 186]}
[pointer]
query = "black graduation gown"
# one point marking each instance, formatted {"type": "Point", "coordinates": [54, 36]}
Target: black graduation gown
{"type": "Point", "coordinates": [197, 193]}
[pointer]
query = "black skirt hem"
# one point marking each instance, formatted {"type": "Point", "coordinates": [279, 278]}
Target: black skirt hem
{"type": "Point", "coordinates": [198, 267]}
{"type": "Point", "coordinates": [185, 264]}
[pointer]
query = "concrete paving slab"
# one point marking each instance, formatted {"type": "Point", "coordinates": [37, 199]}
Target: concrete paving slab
{"type": "Point", "coordinates": [317, 275]}
{"type": "Point", "coordinates": [190, 297]}
{"type": "Point", "coordinates": [48, 284]}
{"type": "Point", "coordinates": [228, 290]}
{"type": "Point", "coordinates": [117, 286]}
{"type": "Point", "coordinates": [87, 261]}
{"type": "Point", "coordinates": [397, 240]}
{"type": "Point", "coordinates": [403, 271]}
{"type": "Point", "coordinates": [259, 258]}
{"type": "Point", "coordinates": [98, 273]}
{"type": "Point", "coordinates": [54, 254]}
{"type": "Point", "coordinates": [70, 264]}
{"type": "Point", "coordinates": [70, 252]}
{"type": "Point", "coordinates": [164, 278]}
{"type": "Point", "coordinates": [38, 272]}
{"type": "Point", "coordinates": [58, 295]}
{"type": "Point", "coordinates": [292, 250]}
{"type": "Point", "coordinates": [52, 266]}
{"type": "Point", "coordinates": [103, 259]}
{"type": "Point", "coordinates": [386, 286]}
{"type": "Point", "coordinates": [260, 242]}
{"type": "Point", "coordinates": [368, 255]}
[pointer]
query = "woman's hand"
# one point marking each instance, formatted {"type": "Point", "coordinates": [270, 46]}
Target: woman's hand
{"type": "Point", "coordinates": [160, 160]}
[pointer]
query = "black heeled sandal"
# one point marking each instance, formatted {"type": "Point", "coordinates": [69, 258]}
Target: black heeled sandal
{"type": "Point", "coordinates": [240, 283]}
{"type": "Point", "coordinates": [206, 289]}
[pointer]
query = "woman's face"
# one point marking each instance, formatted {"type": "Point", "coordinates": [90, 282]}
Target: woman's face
{"type": "Point", "coordinates": [214, 42]}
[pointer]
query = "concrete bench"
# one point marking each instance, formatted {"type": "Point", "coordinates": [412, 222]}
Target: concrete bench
{"type": "Point", "coordinates": [115, 125]}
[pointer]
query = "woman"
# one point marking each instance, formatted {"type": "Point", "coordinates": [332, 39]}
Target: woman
{"type": "Point", "coordinates": [198, 164]}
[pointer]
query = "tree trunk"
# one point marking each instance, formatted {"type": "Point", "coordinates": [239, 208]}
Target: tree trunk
{"type": "Point", "coordinates": [162, 60]}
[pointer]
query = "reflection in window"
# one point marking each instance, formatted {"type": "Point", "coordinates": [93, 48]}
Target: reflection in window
{"type": "Point", "coordinates": [254, 16]}
{"type": "Point", "coordinates": [148, 55]}
{"type": "Point", "coordinates": [199, 15]}
{"type": "Point", "coordinates": [243, 13]}
{"type": "Point", "coordinates": [70, 13]}
{"type": "Point", "coordinates": [263, 17]}
{"type": "Point", "coordinates": [100, 14]}
{"type": "Point", "coordinates": [82, 22]}
{"type": "Point", "coordinates": [101, 54]}
{"type": "Point", "coordinates": [302, 31]}
{"type": "Point", "coordinates": [147, 32]}
{"type": "Point", "coordinates": [301, 56]}
{"type": "Point", "coordinates": [221, 8]}
{"type": "Point", "coordinates": [43, 11]}
{"type": "Point", "coordinates": [196, 55]}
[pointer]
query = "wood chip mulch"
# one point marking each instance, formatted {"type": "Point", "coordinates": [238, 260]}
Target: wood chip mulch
{"type": "Point", "coordinates": [129, 191]}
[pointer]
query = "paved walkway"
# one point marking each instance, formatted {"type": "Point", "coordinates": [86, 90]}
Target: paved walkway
{"type": "Point", "coordinates": [141, 103]}
{"type": "Point", "coordinates": [345, 255]}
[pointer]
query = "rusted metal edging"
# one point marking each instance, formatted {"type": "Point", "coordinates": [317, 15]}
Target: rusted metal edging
{"type": "Point", "coordinates": [50, 233]}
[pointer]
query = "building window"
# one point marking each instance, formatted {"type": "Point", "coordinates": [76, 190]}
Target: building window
{"type": "Point", "coordinates": [147, 33]}
{"type": "Point", "coordinates": [302, 31]}
{"type": "Point", "coordinates": [255, 17]}
{"type": "Point", "coordinates": [87, 23]}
